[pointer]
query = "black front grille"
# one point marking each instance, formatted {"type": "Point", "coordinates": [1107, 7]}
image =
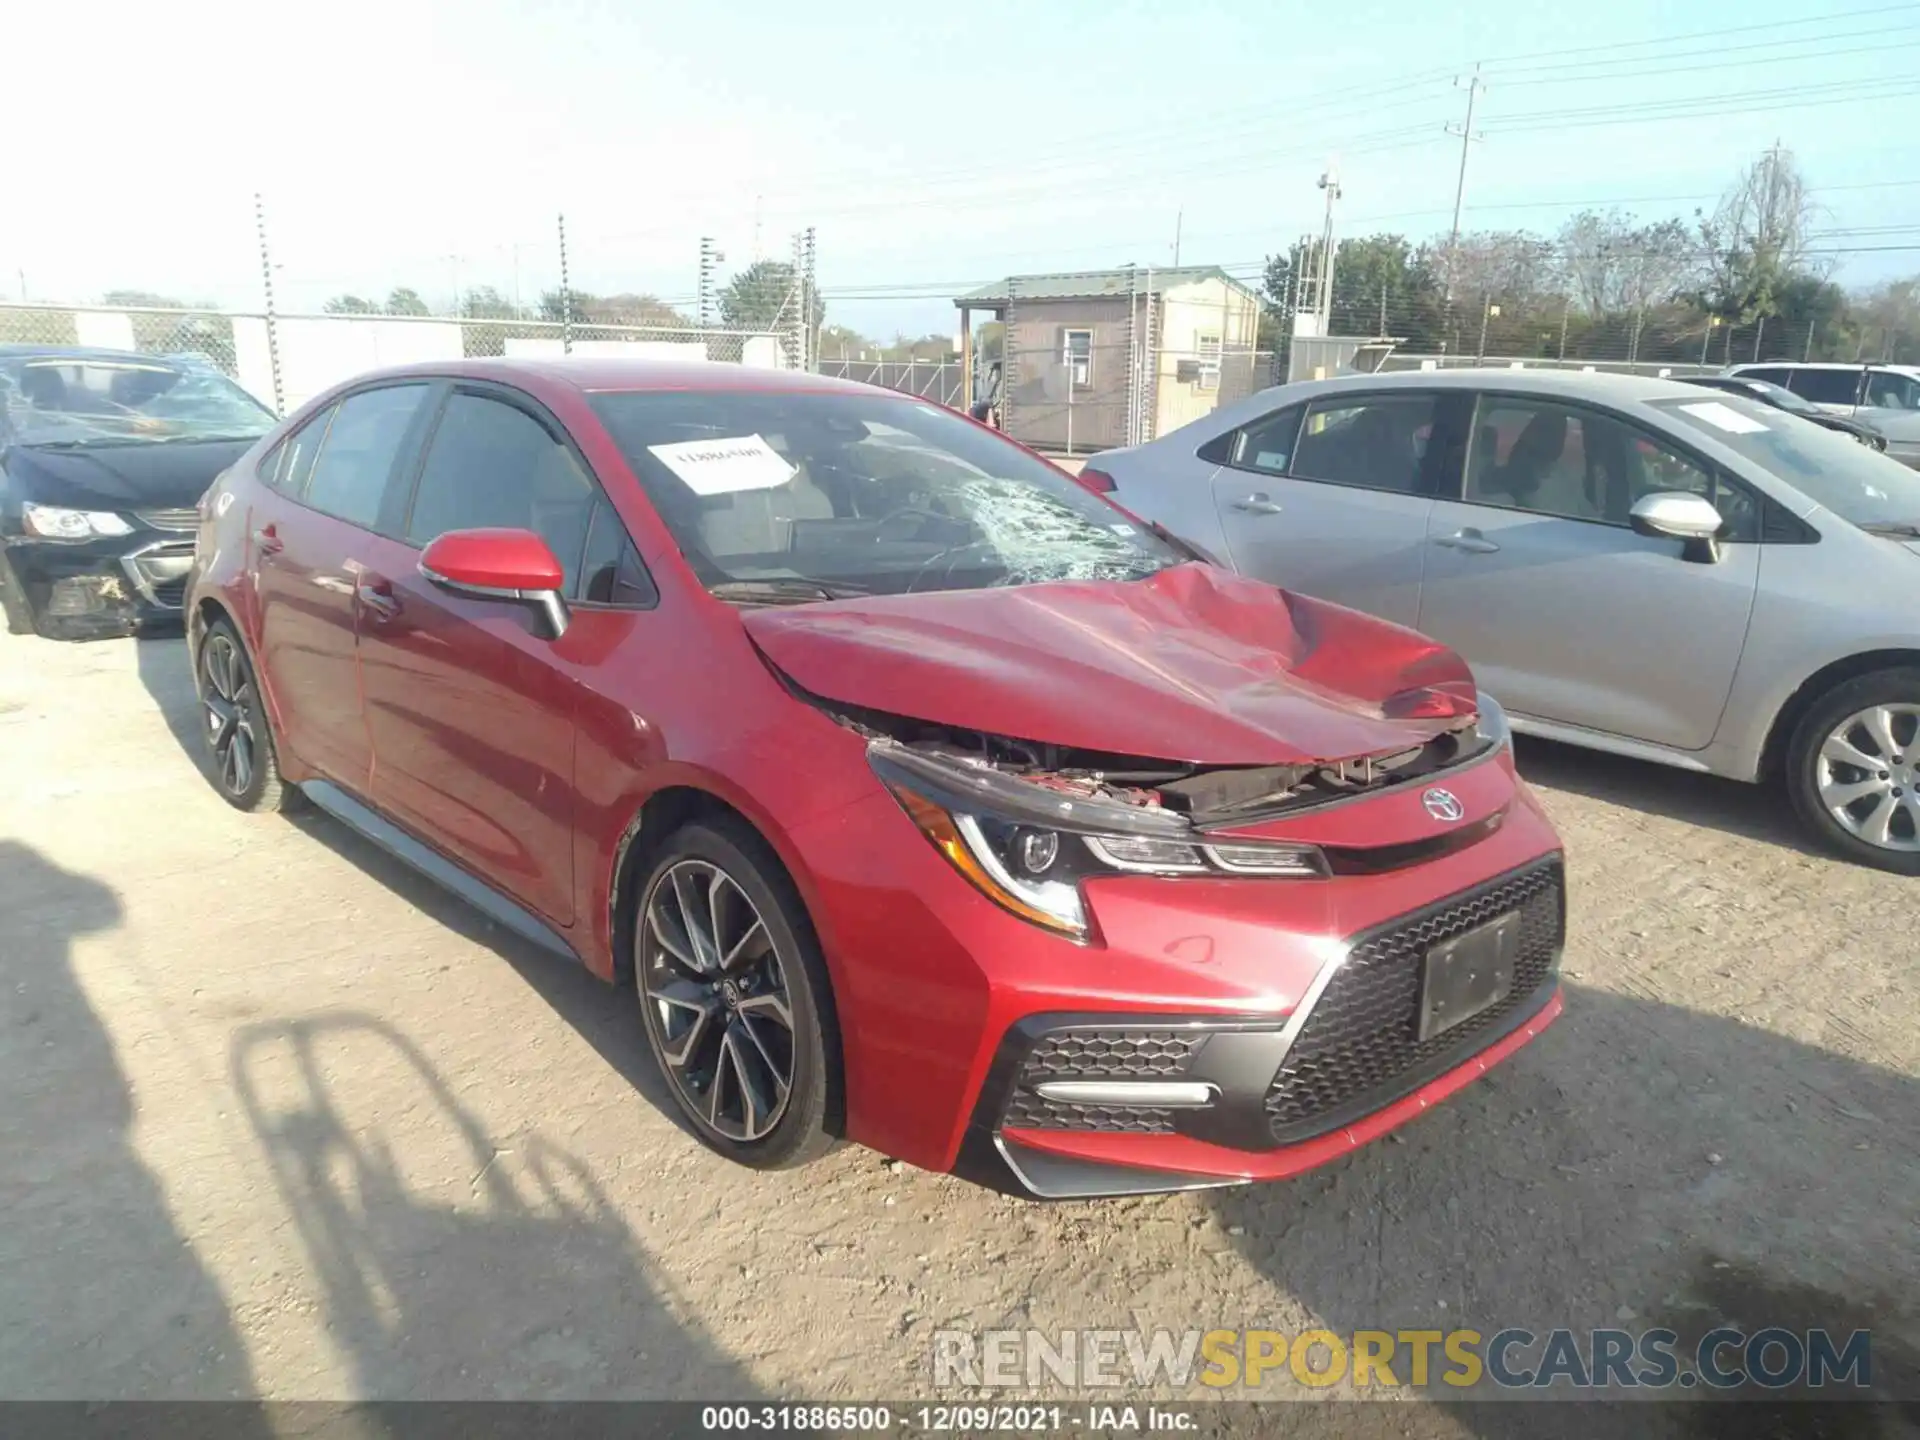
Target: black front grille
{"type": "Point", "coordinates": [1027, 1111]}
{"type": "Point", "coordinates": [1109, 1055]}
{"type": "Point", "coordinates": [171, 594]}
{"type": "Point", "coordinates": [1360, 1048]}
{"type": "Point", "coordinates": [1099, 1054]}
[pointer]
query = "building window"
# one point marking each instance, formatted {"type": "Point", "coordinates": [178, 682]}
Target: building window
{"type": "Point", "coordinates": [1209, 348]}
{"type": "Point", "coordinates": [1076, 353]}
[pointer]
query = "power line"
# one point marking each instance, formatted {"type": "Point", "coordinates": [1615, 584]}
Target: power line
{"type": "Point", "coordinates": [1719, 64]}
{"type": "Point", "coordinates": [1717, 33]}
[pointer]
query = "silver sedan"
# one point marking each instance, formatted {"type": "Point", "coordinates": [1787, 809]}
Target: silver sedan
{"type": "Point", "coordinates": [1629, 564]}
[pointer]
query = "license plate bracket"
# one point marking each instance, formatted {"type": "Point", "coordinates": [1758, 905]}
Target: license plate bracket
{"type": "Point", "coordinates": [1465, 975]}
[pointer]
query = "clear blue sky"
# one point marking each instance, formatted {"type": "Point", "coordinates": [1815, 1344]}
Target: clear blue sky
{"type": "Point", "coordinates": [931, 147]}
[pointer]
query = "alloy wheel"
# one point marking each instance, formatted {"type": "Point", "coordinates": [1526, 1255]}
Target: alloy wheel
{"type": "Point", "coordinates": [227, 702]}
{"type": "Point", "coordinates": [716, 994]}
{"type": "Point", "coordinates": [1868, 775]}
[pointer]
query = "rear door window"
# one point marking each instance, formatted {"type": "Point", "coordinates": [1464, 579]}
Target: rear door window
{"type": "Point", "coordinates": [1267, 444]}
{"type": "Point", "coordinates": [355, 460]}
{"type": "Point", "coordinates": [293, 459]}
{"type": "Point", "coordinates": [1890, 390]}
{"type": "Point", "coordinates": [1826, 387]}
{"type": "Point", "coordinates": [1375, 442]}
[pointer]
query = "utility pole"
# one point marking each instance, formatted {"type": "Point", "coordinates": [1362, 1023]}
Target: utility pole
{"type": "Point", "coordinates": [1323, 305]}
{"type": "Point", "coordinates": [1466, 132]}
{"type": "Point", "coordinates": [566, 294]}
{"type": "Point", "coordinates": [710, 258]}
{"type": "Point", "coordinates": [266, 278]}
{"type": "Point", "coordinates": [1179, 217]}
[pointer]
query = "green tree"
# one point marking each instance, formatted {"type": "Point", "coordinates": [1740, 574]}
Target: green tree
{"type": "Point", "coordinates": [142, 300]}
{"type": "Point", "coordinates": [1756, 240]}
{"type": "Point", "coordinates": [842, 342]}
{"type": "Point", "coordinates": [350, 305]}
{"type": "Point", "coordinates": [484, 302]}
{"type": "Point", "coordinates": [764, 297]}
{"type": "Point", "coordinates": [626, 308]}
{"type": "Point", "coordinates": [404, 300]}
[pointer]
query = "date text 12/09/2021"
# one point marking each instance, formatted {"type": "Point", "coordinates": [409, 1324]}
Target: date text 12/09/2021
{"type": "Point", "coordinates": [948, 1418]}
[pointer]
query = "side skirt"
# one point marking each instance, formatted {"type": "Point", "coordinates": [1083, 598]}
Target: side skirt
{"type": "Point", "coordinates": [371, 825]}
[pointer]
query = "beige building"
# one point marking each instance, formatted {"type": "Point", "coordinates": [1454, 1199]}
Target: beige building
{"type": "Point", "coordinates": [1113, 357]}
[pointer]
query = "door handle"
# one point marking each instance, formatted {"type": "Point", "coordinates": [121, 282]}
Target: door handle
{"type": "Point", "coordinates": [1257, 503]}
{"type": "Point", "coordinates": [1469, 540]}
{"type": "Point", "coordinates": [377, 596]}
{"type": "Point", "coordinates": [267, 540]}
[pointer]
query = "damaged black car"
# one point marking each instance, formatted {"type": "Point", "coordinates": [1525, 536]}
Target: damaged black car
{"type": "Point", "coordinates": [104, 455]}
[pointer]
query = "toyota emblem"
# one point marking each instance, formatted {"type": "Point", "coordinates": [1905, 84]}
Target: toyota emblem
{"type": "Point", "coordinates": [1443, 805]}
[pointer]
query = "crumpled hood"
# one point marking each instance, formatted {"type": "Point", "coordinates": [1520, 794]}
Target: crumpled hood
{"type": "Point", "coordinates": [1194, 664]}
{"type": "Point", "coordinates": [170, 476]}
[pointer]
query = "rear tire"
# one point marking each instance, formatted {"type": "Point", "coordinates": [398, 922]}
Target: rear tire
{"type": "Point", "coordinates": [242, 760]}
{"type": "Point", "coordinates": [1853, 769]}
{"type": "Point", "coordinates": [735, 998]}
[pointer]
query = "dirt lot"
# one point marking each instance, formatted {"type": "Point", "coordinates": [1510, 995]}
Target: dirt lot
{"type": "Point", "coordinates": [281, 1118]}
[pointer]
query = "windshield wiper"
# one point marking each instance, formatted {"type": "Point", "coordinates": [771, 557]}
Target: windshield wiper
{"type": "Point", "coordinates": [1893, 529]}
{"type": "Point", "coordinates": [782, 591]}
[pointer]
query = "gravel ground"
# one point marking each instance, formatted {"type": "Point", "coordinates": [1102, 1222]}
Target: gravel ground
{"type": "Point", "coordinates": [284, 1119]}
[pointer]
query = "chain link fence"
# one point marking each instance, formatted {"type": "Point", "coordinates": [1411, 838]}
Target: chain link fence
{"type": "Point", "coordinates": [284, 360]}
{"type": "Point", "coordinates": [941, 381]}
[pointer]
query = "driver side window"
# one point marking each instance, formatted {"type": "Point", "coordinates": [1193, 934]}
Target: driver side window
{"type": "Point", "coordinates": [492, 464]}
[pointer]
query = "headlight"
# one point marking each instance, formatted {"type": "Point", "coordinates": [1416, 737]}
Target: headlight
{"type": "Point", "coordinates": [1492, 729]}
{"type": "Point", "coordinates": [56, 522]}
{"type": "Point", "coordinates": [1028, 849]}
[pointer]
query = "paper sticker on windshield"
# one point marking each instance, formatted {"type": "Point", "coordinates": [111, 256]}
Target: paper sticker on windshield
{"type": "Point", "coordinates": [723, 467]}
{"type": "Point", "coordinates": [1724, 417]}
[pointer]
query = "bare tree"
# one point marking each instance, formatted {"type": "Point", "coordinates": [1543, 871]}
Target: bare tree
{"type": "Point", "coordinates": [1758, 238]}
{"type": "Point", "coordinates": [1615, 265]}
{"type": "Point", "coordinates": [1508, 267]}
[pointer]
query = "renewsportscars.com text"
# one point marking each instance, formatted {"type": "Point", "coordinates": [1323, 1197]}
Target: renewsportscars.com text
{"type": "Point", "coordinates": [1771, 1358]}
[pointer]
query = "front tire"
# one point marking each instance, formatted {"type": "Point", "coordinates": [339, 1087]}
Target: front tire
{"type": "Point", "coordinates": [241, 758]}
{"type": "Point", "coordinates": [1853, 769]}
{"type": "Point", "coordinates": [735, 997]}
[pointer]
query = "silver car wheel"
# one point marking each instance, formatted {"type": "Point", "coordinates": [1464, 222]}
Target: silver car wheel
{"type": "Point", "coordinates": [1868, 775]}
{"type": "Point", "coordinates": [716, 994]}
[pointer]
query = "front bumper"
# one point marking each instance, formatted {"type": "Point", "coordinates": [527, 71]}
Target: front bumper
{"type": "Point", "coordinates": [1080, 1105]}
{"type": "Point", "coordinates": [99, 587]}
{"type": "Point", "coordinates": [941, 993]}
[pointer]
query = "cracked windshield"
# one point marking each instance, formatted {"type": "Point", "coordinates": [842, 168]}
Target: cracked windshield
{"type": "Point", "coordinates": [808, 497]}
{"type": "Point", "coordinates": [118, 402]}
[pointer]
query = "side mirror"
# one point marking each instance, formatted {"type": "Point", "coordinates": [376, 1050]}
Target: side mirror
{"type": "Point", "coordinates": [1679, 515]}
{"type": "Point", "coordinates": [512, 565]}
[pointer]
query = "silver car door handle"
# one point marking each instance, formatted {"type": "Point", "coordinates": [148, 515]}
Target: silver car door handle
{"type": "Point", "coordinates": [1258, 503]}
{"type": "Point", "coordinates": [1469, 540]}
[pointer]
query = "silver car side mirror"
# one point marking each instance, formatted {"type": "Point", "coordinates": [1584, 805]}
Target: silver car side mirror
{"type": "Point", "coordinates": [1680, 515]}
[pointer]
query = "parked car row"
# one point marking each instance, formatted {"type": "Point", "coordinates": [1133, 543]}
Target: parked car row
{"type": "Point", "coordinates": [1631, 564]}
{"type": "Point", "coordinates": [1885, 397]}
{"type": "Point", "coordinates": [931, 798]}
{"type": "Point", "coordinates": [1768, 393]}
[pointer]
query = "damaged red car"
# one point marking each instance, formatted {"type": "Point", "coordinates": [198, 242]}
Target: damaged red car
{"type": "Point", "coordinates": [921, 796]}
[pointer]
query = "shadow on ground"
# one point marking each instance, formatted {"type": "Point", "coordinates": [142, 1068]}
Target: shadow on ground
{"type": "Point", "coordinates": [1672, 1168]}
{"type": "Point", "coordinates": [1757, 812]}
{"type": "Point", "coordinates": [168, 677]}
{"type": "Point", "coordinates": [454, 1263]}
{"type": "Point", "coordinates": [103, 1296]}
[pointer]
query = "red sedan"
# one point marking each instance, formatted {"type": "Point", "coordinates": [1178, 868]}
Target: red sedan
{"type": "Point", "coordinates": [924, 797]}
